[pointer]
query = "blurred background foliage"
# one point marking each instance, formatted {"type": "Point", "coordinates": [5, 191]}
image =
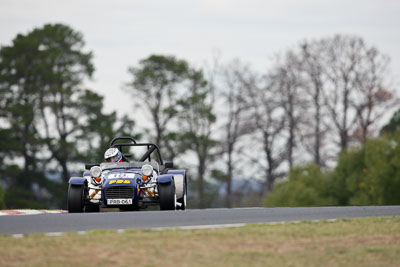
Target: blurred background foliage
{"type": "Point", "coordinates": [367, 175]}
{"type": "Point", "coordinates": [307, 132]}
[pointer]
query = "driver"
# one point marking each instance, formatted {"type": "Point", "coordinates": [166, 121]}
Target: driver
{"type": "Point", "coordinates": [113, 155]}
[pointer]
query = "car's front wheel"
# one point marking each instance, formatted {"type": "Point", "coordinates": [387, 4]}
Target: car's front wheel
{"type": "Point", "coordinates": [75, 198]}
{"type": "Point", "coordinates": [182, 200]}
{"type": "Point", "coordinates": [167, 196]}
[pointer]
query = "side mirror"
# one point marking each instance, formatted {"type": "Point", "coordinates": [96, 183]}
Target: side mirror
{"type": "Point", "coordinates": [169, 165]}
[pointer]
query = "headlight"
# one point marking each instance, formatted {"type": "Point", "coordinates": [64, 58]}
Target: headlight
{"type": "Point", "coordinates": [147, 170]}
{"type": "Point", "coordinates": [95, 171]}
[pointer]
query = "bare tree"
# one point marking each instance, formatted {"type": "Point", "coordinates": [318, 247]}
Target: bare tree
{"type": "Point", "coordinates": [356, 94]}
{"type": "Point", "coordinates": [234, 124]}
{"type": "Point", "coordinates": [374, 97]}
{"type": "Point", "coordinates": [267, 115]}
{"type": "Point", "coordinates": [286, 81]}
{"type": "Point", "coordinates": [313, 80]}
{"type": "Point", "coordinates": [339, 58]}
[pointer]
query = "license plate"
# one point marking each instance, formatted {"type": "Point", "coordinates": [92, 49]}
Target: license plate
{"type": "Point", "coordinates": [119, 201]}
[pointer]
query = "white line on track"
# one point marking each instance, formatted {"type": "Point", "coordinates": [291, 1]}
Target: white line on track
{"type": "Point", "coordinates": [194, 227]}
{"type": "Point", "coordinates": [189, 227]}
{"type": "Point", "coordinates": [18, 235]}
{"type": "Point", "coordinates": [54, 234]}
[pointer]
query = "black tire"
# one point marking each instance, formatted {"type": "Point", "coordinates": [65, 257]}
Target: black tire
{"type": "Point", "coordinates": [75, 198]}
{"type": "Point", "coordinates": [182, 200]}
{"type": "Point", "coordinates": [92, 208]}
{"type": "Point", "coordinates": [167, 196]}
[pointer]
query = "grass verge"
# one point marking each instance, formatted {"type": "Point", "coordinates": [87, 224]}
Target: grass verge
{"type": "Point", "coordinates": [346, 242]}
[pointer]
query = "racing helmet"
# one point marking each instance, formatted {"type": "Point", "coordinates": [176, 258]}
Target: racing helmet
{"type": "Point", "coordinates": [113, 155]}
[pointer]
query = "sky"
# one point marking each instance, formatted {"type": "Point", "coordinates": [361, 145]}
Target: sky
{"type": "Point", "coordinates": [122, 32]}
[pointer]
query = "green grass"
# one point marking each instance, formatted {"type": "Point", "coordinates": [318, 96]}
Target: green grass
{"type": "Point", "coordinates": [347, 242]}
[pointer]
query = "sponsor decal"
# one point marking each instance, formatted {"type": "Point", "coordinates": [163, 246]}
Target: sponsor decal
{"type": "Point", "coordinates": [119, 182]}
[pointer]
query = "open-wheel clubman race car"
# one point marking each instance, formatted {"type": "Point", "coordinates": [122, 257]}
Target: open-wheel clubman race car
{"type": "Point", "coordinates": [129, 184]}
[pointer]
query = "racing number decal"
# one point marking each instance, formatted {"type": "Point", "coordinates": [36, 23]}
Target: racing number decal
{"type": "Point", "coordinates": [120, 182]}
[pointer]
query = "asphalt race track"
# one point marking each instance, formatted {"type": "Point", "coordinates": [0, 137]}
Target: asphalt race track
{"type": "Point", "coordinates": [48, 223]}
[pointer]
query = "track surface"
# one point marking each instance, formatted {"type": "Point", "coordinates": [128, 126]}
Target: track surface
{"type": "Point", "coordinates": [155, 219]}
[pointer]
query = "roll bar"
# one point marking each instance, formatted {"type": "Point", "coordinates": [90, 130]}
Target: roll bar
{"type": "Point", "coordinates": [122, 138]}
{"type": "Point", "coordinates": [150, 147]}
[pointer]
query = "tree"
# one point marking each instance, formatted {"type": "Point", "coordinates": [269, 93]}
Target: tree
{"type": "Point", "coordinates": [19, 90]}
{"type": "Point", "coordinates": [340, 60]}
{"type": "Point", "coordinates": [63, 67]}
{"type": "Point", "coordinates": [100, 128]}
{"type": "Point", "coordinates": [156, 86]}
{"type": "Point", "coordinates": [267, 116]}
{"type": "Point", "coordinates": [305, 188]}
{"type": "Point", "coordinates": [286, 81]}
{"type": "Point", "coordinates": [44, 110]}
{"type": "Point", "coordinates": [344, 81]}
{"type": "Point", "coordinates": [368, 175]}
{"type": "Point", "coordinates": [374, 95]}
{"type": "Point", "coordinates": [196, 118]}
{"type": "Point", "coordinates": [313, 79]}
{"type": "Point", "coordinates": [234, 124]}
{"type": "Point", "coordinates": [393, 125]}
{"type": "Point", "coordinates": [382, 181]}
{"type": "Point", "coordinates": [19, 84]}
{"type": "Point", "coordinates": [357, 94]}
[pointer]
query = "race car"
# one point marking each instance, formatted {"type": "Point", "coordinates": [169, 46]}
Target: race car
{"type": "Point", "coordinates": [130, 184]}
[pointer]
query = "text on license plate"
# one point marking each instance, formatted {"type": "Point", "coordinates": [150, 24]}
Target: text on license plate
{"type": "Point", "coordinates": [119, 201]}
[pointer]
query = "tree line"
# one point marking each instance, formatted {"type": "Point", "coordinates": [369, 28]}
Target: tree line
{"type": "Point", "coordinates": [224, 122]}
{"type": "Point", "coordinates": [366, 175]}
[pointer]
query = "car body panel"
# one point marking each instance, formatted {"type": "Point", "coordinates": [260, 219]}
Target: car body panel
{"type": "Point", "coordinates": [77, 181]}
{"type": "Point", "coordinates": [165, 179]}
{"type": "Point", "coordinates": [180, 182]}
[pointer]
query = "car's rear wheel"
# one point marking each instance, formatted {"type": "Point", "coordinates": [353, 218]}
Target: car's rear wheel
{"type": "Point", "coordinates": [167, 196]}
{"type": "Point", "coordinates": [75, 198]}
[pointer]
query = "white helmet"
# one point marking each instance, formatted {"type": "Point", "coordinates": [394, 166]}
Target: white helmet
{"type": "Point", "coordinates": [113, 155]}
